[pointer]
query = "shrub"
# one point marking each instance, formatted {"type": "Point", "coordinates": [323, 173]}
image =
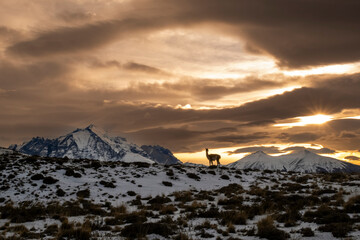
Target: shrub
{"type": "Point", "coordinates": [168, 184]}
{"type": "Point", "coordinates": [83, 193]}
{"type": "Point", "coordinates": [67, 231]}
{"type": "Point", "coordinates": [211, 213]}
{"type": "Point", "coordinates": [159, 200]}
{"type": "Point", "coordinates": [131, 193]}
{"type": "Point", "coordinates": [170, 173]}
{"type": "Point", "coordinates": [353, 205]}
{"type": "Point", "coordinates": [140, 230]}
{"type": "Point", "coordinates": [338, 230]}
{"type": "Point", "coordinates": [231, 228]}
{"type": "Point", "coordinates": [193, 176]}
{"type": "Point", "coordinates": [107, 184]}
{"type": "Point", "coordinates": [185, 196]}
{"type": "Point", "coordinates": [51, 230]}
{"type": "Point", "coordinates": [69, 172]}
{"type": "Point", "coordinates": [49, 180]}
{"type": "Point", "coordinates": [231, 189]}
{"type": "Point", "coordinates": [266, 229]}
{"type": "Point", "coordinates": [181, 236]}
{"type": "Point", "coordinates": [141, 164]}
{"type": "Point", "coordinates": [60, 192]}
{"type": "Point", "coordinates": [134, 217]}
{"type": "Point", "coordinates": [23, 213]}
{"type": "Point", "coordinates": [325, 214]}
{"type": "Point", "coordinates": [77, 175]}
{"type": "Point", "coordinates": [289, 217]}
{"type": "Point", "coordinates": [307, 232]}
{"type": "Point", "coordinates": [233, 217]}
{"type": "Point", "coordinates": [37, 177]}
{"type": "Point", "coordinates": [231, 202]}
{"type": "Point", "coordinates": [225, 177]}
{"type": "Point", "coordinates": [167, 209]}
{"type": "Point", "coordinates": [204, 234]}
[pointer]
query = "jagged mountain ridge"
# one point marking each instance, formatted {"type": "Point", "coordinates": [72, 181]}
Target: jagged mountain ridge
{"type": "Point", "coordinates": [90, 142]}
{"type": "Point", "coordinates": [301, 161]}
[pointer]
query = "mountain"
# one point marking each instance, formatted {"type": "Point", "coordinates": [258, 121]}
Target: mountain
{"type": "Point", "coordinates": [160, 154]}
{"type": "Point", "coordinates": [259, 160]}
{"type": "Point", "coordinates": [5, 151]}
{"type": "Point", "coordinates": [302, 161]}
{"type": "Point", "coordinates": [90, 142]}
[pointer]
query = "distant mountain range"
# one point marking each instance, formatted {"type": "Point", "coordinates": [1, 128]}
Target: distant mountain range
{"type": "Point", "coordinates": [301, 161]}
{"type": "Point", "coordinates": [94, 143]}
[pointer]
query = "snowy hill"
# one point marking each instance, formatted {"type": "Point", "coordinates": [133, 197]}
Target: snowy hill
{"type": "Point", "coordinates": [302, 161]}
{"type": "Point", "coordinates": [90, 142]}
{"type": "Point", "coordinates": [62, 198]}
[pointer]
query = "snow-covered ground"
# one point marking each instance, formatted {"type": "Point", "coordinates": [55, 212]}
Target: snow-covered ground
{"type": "Point", "coordinates": [118, 200]}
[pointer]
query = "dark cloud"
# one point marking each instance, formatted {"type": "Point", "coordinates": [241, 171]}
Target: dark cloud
{"type": "Point", "coordinates": [9, 35]}
{"type": "Point", "coordinates": [76, 16]}
{"type": "Point", "coordinates": [138, 67]}
{"type": "Point", "coordinates": [77, 39]}
{"type": "Point", "coordinates": [269, 150]}
{"type": "Point", "coordinates": [327, 97]}
{"type": "Point", "coordinates": [130, 66]}
{"type": "Point", "coordinates": [299, 137]}
{"type": "Point", "coordinates": [179, 139]}
{"type": "Point", "coordinates": [354, 158]}
{"type": "Point", "coordinates": [349, 125]}
{"type": "Point", "coordinates": [347, 135]}
{"type": "Point", "coordinates": [29, 75]}
{"type": "Point", "coordinates": [197, 89]}
{"type": "Point", "coordinates": [318, 151]}
{"type": "Point", "coordinates": [258, 123]}
{"type": "Point", "coordinates": [297, 33]}
{"type": "Point", "coordinates": [243, 139]}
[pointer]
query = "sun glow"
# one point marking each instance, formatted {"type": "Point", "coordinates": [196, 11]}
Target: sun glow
{"type": "Point", "coordinates": [307, 120]}
{"type": "Point", "coordinates": [331, 69]}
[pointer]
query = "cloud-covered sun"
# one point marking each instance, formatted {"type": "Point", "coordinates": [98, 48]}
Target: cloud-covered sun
{"type": "Point", "coordinates": [307, 120]}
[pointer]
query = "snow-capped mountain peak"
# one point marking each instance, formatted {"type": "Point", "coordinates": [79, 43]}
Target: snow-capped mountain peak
{"type": "Point", "coordinates": [300, 161]}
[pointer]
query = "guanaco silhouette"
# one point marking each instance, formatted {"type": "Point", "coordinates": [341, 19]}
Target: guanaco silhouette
{"type": "Point", "coordinates": [213, 157]}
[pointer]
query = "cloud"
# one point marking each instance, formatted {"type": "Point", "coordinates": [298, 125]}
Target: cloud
{"type": "Point", "coordinates": [269, 150]}
{"type": "Point", "coordinates": [138, 67]}
{"type": "Point", "coordinates": [76, 16]}
{"type": "Point", "coordinates": [274, 150]}
{"type": "Point", "coordinates": [238, 138]}
{"type": "Point", "coordinates": [130, 66]}
{"type": "Point", "coordinates": [353, 158]}
{"type": "Point", "coordinates": [314, 150]}
{"type": "Point", "coordinates": [9, 35]}
{"type": "Point", "coordinates": [179, 139]}
{"type": "Point", "coordinates": [347, 135]}
{"type": "Point", "coordinates": [195, 89]}
{"type": "Point", "coordinates": [299, 137]}
{"type": "Point", "coordinates": [17, 75]}
{"type": "Point", "coordinates": [308, 33]}
{"type": "Point", "coordinates": [75, 39]}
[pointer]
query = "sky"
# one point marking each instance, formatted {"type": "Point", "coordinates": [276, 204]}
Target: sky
{"type": "Point", "coordinates": [234, 76]}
